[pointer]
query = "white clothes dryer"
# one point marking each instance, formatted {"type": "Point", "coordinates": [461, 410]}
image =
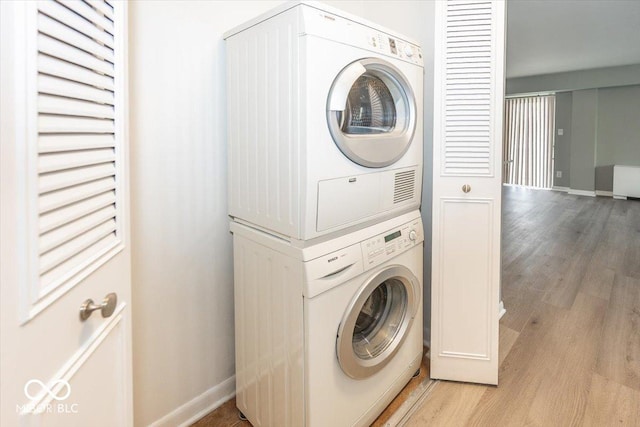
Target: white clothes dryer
{"type": "Point", "coordinates": [328, 334]}
{"type": "Point", "coordinates": [325, 115]}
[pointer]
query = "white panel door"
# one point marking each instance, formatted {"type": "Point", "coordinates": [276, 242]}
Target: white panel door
{"type": "Point", "coordinates": [467, 142]}
{"type": "Point", "coordinates": [64, 215]}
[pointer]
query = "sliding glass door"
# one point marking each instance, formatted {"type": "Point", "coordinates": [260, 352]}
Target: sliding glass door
{"type": "Point", "coordinates": [528, 142]}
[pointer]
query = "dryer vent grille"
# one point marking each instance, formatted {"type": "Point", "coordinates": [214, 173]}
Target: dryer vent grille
{"type": "Point", "coordinates": [404, 186]}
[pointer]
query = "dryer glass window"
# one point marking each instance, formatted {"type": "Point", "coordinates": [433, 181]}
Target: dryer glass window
{"type": "Point", "coordinates": [371, 112]}
{"type": "Point", "coordinates": [380, 319]}
{"type": "Point", "coordinates": [370, 108]}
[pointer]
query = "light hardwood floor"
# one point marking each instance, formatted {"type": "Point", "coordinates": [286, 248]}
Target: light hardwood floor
{"type": "Point", "coordinates": [227, 414]}
{"type": "Point", "coordinates": [570, 340]}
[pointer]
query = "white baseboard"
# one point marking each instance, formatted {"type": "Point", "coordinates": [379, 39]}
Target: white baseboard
{"type": "Point", "coordinates": [604, 193]}
{"type": "Point", "coordinates": [620, 197]}
{"type": "Point", "coordinates": [199, 406]}
{"type": "Point", "coordinates": [528, 187]}
{"type": "Point", "coordinates": [589, 193]}
{"type": "Point", "coordinates": [501, 310]}
{"type": "Point", "coordinates": [557, 188]}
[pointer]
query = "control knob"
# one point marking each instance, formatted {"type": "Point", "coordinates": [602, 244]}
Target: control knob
{"type": "Point", "coordinates": [408, 50]}
{"type": "Point", "coordinates": [412, 235]}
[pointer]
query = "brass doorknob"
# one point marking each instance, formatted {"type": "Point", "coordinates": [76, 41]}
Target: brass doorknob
{"type": "Point", "coordinates": [466, 188]}
{"type": "Point", "coordinates": [107, 307]}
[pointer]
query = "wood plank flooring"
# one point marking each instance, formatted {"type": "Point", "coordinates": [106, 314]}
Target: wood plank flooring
{"type": "Point", "coordinates": [226, 415]}
{"type": "Point", "coordinates": [570, 340]}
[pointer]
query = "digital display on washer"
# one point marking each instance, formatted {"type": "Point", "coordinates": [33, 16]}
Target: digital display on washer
{"type": "Point", "coordinates": [392, 236]}
{"type": "Point", "coordinates": [392, 46]}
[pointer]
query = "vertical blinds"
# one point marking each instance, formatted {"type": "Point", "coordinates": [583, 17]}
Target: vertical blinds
{"type": "Point", "coordinates": [528, 141]}
{"type": "Point", "coordinates": [77, 215]}
{"type": "Point", "coordinates": [467, 115]}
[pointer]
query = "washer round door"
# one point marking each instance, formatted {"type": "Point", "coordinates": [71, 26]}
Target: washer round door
{"type": "Point", "coordinates": [377, 321]}
{"type": "Point", "coordinates": [371, 112]}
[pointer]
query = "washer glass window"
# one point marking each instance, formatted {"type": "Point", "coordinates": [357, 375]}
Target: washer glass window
{"type": "Point", "coordinates": [380, 319]}
{"type": "Point", "coordinates": [377, 321]}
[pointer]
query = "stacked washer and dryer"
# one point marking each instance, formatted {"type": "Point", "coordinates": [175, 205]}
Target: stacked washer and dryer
{"type": "Point", "coordinates": [325, 176]}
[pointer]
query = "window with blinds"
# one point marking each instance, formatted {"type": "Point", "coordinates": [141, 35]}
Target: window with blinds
{"type": "Point", "coordinates": [467, 110]}
{"type": "Point", "coordinates": [78, 138]}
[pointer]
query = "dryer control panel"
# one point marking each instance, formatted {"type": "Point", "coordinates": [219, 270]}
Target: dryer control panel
{"type": "Point", "coordinates": [387, 245]}
{"type": "Point", "coordinates": [368, 36]}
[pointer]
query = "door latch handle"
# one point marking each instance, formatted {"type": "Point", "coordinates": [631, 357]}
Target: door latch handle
{"type": "Point", "coordinates": [107, 307]}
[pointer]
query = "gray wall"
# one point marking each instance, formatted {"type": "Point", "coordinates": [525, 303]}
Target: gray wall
{"type": "Point", "coordinates": [618, 130]}
{"type": "Point", "coordinates": [576, 80]}
{"type": "Point", "coordinates": [604, 178]}
{"type": "Point", "coordinates": [584, 115]}
{"type": "Point", "coordinates": [599, 113]}
{"type": "Point", "coordinates": [617, 133]}
{"type": "Point", "coordinates": [562, 147]}
{"type": "Point", "coordinates": [605, 119]}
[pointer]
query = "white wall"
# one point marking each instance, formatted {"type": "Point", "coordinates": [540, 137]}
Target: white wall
{"type": "Point", "coordinates": [182, 261]}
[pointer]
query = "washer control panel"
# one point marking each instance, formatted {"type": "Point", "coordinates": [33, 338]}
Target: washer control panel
{"type": "Point", "coordinates": [394, 47]}
{"type": "Point", "coordinates": [387, 245]}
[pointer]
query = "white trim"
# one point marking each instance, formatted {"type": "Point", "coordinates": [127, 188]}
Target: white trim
{"type": "Point", "coordinates": [589, 193]}
{"type": "Point", "coordinates": [558, 188]}
{"type": "Point", "coordinates": [528, 187]}
{"type": "Point", "coordinates": [412, 403]}
{"type": "Point", "coordinates": [502, 310]}
{"type": "Point", "coordinates": [199, 406]}
{"type": "Point", "coordinates": [620, 197]}
{"type": "Point", "coordinates": [604, 193]}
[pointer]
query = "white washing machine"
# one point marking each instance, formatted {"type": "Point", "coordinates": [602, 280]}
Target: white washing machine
{"type": "Point", "coordinates": [328, 334]}
{"type": "Point", "coordinates": [324, 122]}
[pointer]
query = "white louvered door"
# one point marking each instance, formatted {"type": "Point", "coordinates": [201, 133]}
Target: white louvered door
{"type": "Point", "coordinates": [64, 214]}
{"type": "Point", "coordinates": [468, 111]}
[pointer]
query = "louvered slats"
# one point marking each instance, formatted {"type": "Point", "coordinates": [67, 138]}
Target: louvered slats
{"type": "Point", "coordinates": [404, 186]}
{"type": "Point", "coordinates": [72, 89]}
{"type": "Point", "coordinates": [73, 107]}
{"type": "Point", "coordinates": [76, 136]}
{"type": "Point", "coordinates": [61, 14]}
{"type": "Point", "coordinates": [60, 31]}
{"type": "Point", "coordinates": [468, 88]}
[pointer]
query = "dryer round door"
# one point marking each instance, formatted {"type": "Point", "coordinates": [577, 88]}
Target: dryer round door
{"type": "Point", "coordinates": [371, 112]}
{"type": "Point", "coordinates": [377, 321]}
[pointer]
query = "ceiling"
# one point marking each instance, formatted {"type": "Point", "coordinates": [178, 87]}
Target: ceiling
{"type": "Point", "coordinates": [550, 36]}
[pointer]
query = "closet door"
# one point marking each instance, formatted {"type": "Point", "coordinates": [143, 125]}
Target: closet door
{"type": "Point", "coordinates": [65, 236]}
{"type": "Point", "coordinates": [468, 116]}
